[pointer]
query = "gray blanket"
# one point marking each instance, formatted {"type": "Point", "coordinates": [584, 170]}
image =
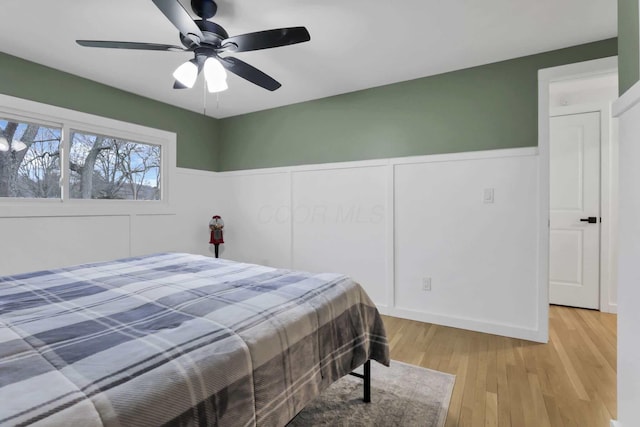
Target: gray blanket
{"type": "Point", "coordinates": [177, 339]}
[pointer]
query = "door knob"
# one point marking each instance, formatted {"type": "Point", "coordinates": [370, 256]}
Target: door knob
{"type": "Point", "coordinates": [590, 220]}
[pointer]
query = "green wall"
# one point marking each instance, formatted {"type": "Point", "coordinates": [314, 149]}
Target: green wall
{"type": "Point", "coordinates": [481, 108]}
{"type": "Point", "coordinates": [198, 136]}
{"type": "Point", "coordinates": [628, 44]}
{"type": "Point", "coordinates": [488, 107]}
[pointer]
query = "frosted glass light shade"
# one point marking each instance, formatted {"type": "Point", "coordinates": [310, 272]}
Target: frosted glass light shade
{"type": "Point", "coordinates": [217, 86]}
{"type": "Point", "coordinates": [215, 75]}
{"type": "Point", "coordinates": [18, 146]}
{"type": "Point", "coordinates": [186, 74]}
{"type": "Point", "coordinates": [4, 144]}
{"type": "Point", "coordinates": [13, 146]}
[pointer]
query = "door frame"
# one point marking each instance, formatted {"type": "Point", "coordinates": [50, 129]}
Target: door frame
{"type": "Point", "coordinates": [608, 195]}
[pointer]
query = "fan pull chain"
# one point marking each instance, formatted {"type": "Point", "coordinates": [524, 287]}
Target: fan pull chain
{"type": "Point", "coordinates": [204, 97]}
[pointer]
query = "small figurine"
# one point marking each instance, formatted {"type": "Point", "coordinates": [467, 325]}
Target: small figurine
{"type": "Point", "coordinates": [216, 225]}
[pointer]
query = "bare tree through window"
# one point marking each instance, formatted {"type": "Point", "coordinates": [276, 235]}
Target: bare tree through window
{"type": "Point", "coordinates": [29, 160]}
{"type": "Point", "coordinates": [111, 168]}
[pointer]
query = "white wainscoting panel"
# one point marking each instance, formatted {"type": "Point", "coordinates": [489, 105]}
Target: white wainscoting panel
{"type": "Point", "coordinates": [30, 244]}
{"type": "Point", "coordinates": [481, 257]}
{"type": "Point", "coordinates": [155, 233]}
{"type": "Point", "coordinates": [195, 201]}
{"type": "Point", "coordinates": [390, 223]}
{"type": "Point", "coordinates": [256, 213]}
{"type": "Point", "coordinates": [339, 219]}
{"type": "Point", "coordinates": [56, 236]}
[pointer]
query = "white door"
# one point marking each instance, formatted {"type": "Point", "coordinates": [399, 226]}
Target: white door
{"type": "Point", "coordinates": [574, 265]}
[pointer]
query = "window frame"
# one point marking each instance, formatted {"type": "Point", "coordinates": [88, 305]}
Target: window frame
{"type": "Point", "coordinates": [67, 120]}
{"type": "Point", "coordinates": [135, 139]}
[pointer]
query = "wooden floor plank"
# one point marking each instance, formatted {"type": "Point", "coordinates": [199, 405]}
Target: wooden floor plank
{"type": "Point", "coordinates": [504, 401]}
{"type": "Point", "coordinates": [491, 410]}
{"type": "Point", "coordinates": [571, 381]}
{"type": "Point", "coordinates": [540, 414]}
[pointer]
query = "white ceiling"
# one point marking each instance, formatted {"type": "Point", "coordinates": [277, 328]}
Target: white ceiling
{"type": "Point", "coordinates": [355, 44]}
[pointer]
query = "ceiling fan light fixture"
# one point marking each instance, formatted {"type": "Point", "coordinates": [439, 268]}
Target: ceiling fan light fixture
{"type": "Point", "coordinates": [219, 86]}
{"type": "Point", "coordinates": [207, 40]}
{"type": "Point", "coordinates": [215, 75]}
{"type": "Point", "coordinates": [4, 144]}
{"type": "Point", "coordinates": [18, 146]}
{"type": "Point", "coordinates": [187, 73]}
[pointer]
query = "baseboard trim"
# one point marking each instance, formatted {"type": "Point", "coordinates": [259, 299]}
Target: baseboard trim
{"type": "Point", "coordinates": [610, 308]}
{"type": "Point", "coordinates": [614, 423]}
{"type": "Point", "coordinates": [468, 324]}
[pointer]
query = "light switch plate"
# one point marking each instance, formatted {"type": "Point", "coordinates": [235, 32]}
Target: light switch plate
{"type": "Point", "coordinates": [488, 195]}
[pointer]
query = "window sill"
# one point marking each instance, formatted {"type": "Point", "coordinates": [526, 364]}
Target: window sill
{"type": "Point", "coordinates": [53, 208]}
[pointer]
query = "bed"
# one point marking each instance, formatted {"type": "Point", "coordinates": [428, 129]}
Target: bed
{"type": "Point", "coordinates": [177, 339]}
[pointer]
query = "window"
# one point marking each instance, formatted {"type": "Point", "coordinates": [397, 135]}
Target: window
{"type": "Point", "coordinates": [93, 165]}
{"type": "Point", "coordinates": [29, 160]}
{"type": "Point", "coordinates": [102, 167]}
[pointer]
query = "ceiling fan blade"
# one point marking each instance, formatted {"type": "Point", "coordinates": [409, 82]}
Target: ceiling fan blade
{"type": "Point", "coordinates": [179, 17]}
{"type": "Point", "coordinates": [248, 72]}
{"type": "Point", "coordinates": [268, 39]}
{"type": "Point", "coordinates": [130, 45]}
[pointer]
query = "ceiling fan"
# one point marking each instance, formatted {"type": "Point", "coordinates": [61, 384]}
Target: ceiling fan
{"type": "Point", "coordinates": [208, 40]}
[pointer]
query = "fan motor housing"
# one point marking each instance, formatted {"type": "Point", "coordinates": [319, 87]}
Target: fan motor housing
{"type": "Point", "coordinates": [213, 35]}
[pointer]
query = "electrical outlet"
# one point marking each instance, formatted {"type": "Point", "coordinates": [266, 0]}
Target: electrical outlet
{"type": "Point", "coordinates": [426, 284]}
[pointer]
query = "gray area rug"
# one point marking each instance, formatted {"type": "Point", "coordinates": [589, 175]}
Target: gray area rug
{"type": "Point", "coordinates": [401, 395]}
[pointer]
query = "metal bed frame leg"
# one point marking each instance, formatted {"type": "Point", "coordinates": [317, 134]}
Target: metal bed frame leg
{"type": "Point", "coordinates": [366, 376]}
{"type": "Point", "coordinates": [367, 381]}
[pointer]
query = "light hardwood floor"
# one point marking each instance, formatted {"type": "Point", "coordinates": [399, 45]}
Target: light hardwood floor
{"type": "Point", "coordinates": [571, 381]}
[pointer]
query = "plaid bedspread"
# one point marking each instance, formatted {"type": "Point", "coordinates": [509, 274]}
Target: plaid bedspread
{"type": "Point", "coordinates": [177, 339]}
